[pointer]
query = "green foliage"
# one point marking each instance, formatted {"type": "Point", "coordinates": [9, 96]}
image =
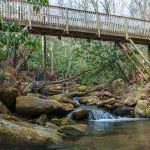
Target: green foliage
{"type": "Point", "coordinates": [39, 1]}
{"type": "Point", "coordinates": [3, 77]}
{"type": "Point", "coordinates": [70, 57]}
{"type": "Point", "coordinates": [15, 38]}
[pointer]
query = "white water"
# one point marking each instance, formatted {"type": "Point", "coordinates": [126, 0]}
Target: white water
{"type": "Point", "coordinates": [96, 114]}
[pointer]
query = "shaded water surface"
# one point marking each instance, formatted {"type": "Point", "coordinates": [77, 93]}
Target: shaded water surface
{"type": "Point", "coordinates": [107, 135]}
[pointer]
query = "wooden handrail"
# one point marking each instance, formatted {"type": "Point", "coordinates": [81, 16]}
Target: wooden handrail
{"type": "Point", "coordinates": [56, 16]}
{"type": "Point", "coordinates": [80, 10]}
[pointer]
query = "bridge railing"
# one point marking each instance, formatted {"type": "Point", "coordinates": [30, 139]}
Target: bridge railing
{"type": "Point", "coordinates": [71, 18]}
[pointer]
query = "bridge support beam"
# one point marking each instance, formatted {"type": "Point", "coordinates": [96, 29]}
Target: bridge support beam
{"type": "Point", "coordinates": [140, 53]}
{"type": "Point", "coordinates": [122, 48]}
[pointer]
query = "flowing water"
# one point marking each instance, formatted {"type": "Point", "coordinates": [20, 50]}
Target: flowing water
{"type": "Point", "coordinates": [106, 132]}
{"type": "Point", "coordinates": [120, 135]}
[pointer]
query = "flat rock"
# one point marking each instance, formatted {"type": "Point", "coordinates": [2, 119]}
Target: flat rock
{"type": "Point", "coordinates": [89, 100]}
{"type": "Point", "coordinates": [29, 105]}
{"type": "Point", "coordinates": [78, 129]}
{"type": "Point", "coordinates": [110, 101]}
{"type": "Point", "coordinates": [63, 121]}
{"type": "Point", "coordinates": [51, 126]}
{"type": "Point", "coordinates": [63, 99]}
{"type": "Point", "coordinates": [22, 133]}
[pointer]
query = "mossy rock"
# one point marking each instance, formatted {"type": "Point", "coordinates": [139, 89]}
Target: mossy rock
{"type": "Point", "coordinates": [78, 129]}
{"type": "Point", "coordinates": [63, 121]}
{"type": "Point", "coordinates": [110, 101]}
{"type": "Point", "coordinates": [63, 99]}
{"type": "Point", "coordinates": [142, 108]}
{"type": "Point", "coordinates": [8, 97]}
{"type": "Point", "coordinates": [89, 100]}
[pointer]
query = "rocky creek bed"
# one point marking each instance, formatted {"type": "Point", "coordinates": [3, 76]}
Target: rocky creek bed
{"type": "Point", "coordinates": [47, 120]}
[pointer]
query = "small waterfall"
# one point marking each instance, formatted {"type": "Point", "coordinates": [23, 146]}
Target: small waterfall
{"type": "Point", "coordinates": [76, 99]}
{"type": "Point", "coordinates": [97, 114]}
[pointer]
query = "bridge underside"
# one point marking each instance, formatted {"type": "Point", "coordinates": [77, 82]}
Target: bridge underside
{"type": "Point", "coordinates": [83, 33]}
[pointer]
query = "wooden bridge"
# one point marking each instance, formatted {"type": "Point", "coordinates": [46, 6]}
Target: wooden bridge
{"type": "Point", "coordinates": [66, 22]}
{"type": "Point", "coordinates": [60, 21]}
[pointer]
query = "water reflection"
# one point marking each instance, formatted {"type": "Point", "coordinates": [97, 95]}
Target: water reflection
{"type": "Point", "coordinates": [133, 135]}
{"type": "Point", "coordinates": [122, 135]}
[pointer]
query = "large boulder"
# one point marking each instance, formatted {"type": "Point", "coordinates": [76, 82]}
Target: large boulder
{"type": "Point", "coordinates": [110, 101]}
{"type": "Point", "coordinates": [8, 97]}
{"type": "Point", "coordinates": [141, 94]}
{"type": "Point", "coordinates": [22, 133]}
{"type": "Point", "coordinates": [4, 109]}
{"type": "Point", "coordinates": [77, 88]}
{"type": "Point", "coordinates": [53, 89]}
{"type": "Point", "coordinates": [89, 100]}
{"type": "Point", "coordinates": [63, 99]}
{"type": "Point", "coordinates": [63, 121]}
{"type": "Point", "coordinates": [142, 108]}
{"type": "Point", "coordinates": [78, 129]}
{"type": "Point", "coordinates": [80, 114]}
{"type": "Point", "coordinates": [124, 111]}
{"type": "Point", "coordinates": [28, 105]}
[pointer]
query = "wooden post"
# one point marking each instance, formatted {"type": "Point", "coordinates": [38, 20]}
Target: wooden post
{"type": "Point", "coordinates": [44, 55]}
{"type": "Point", "coordinates": [126, 29]}
{"type": "Point", "coordinates": [67, 22]}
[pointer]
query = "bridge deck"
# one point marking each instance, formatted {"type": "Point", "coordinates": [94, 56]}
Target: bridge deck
{"type": "Point", "coordinates": [59, 21]}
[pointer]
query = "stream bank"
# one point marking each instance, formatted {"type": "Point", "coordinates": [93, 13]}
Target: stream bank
{"type": "Point", "coordinates": [47, 118]}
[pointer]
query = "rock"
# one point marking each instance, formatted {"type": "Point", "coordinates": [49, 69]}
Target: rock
{"type": "Point", "coordinates": [142, 94]}
{"type": "Point", "coordinates": [80, 114]}
{"type": "Point", "coordinates": [28, 88]}
{"type": "Point", "coordinates": [4, 109]}
{"type": "Point", "coordinates": [42, 120]}
{"type": "Point", "coordinates": [34, 95]}
{"type": "Point", "coordinates": [63, 99]}
{"type": "Point", "coordinates": [62, 121]}
{"type": "Point", "coordinates": [78, 129]}
{"type": "Point", "coordinates": [28, 105]}
{"type": "Point", "coordinates": [8, 97]}
{"type": "Point", "coordinates": [82, 88]}
{"type": "Point", "coordinates": [53, 89]}
{"type": "Point", "coordinates": [124, 111]}
{"type": "Point", "coordinates": [78, 88]}
{"type": "Point", "coordinates": [110, 101]}
{"type": "Point", "coordinates": [22, 133]}
{"type": "Point", "coordinates": [89, 100]}
{"type": "Point", "coordinates": [9, 117]}
{"type": "Point", "coordinates": [94, 94]}
{"type": "Point", "coordinates": [117, 84]}
{"type": "Point", "coordinates": [51, 126]}
{"type": "Point", "coordinates": [142, 108]}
